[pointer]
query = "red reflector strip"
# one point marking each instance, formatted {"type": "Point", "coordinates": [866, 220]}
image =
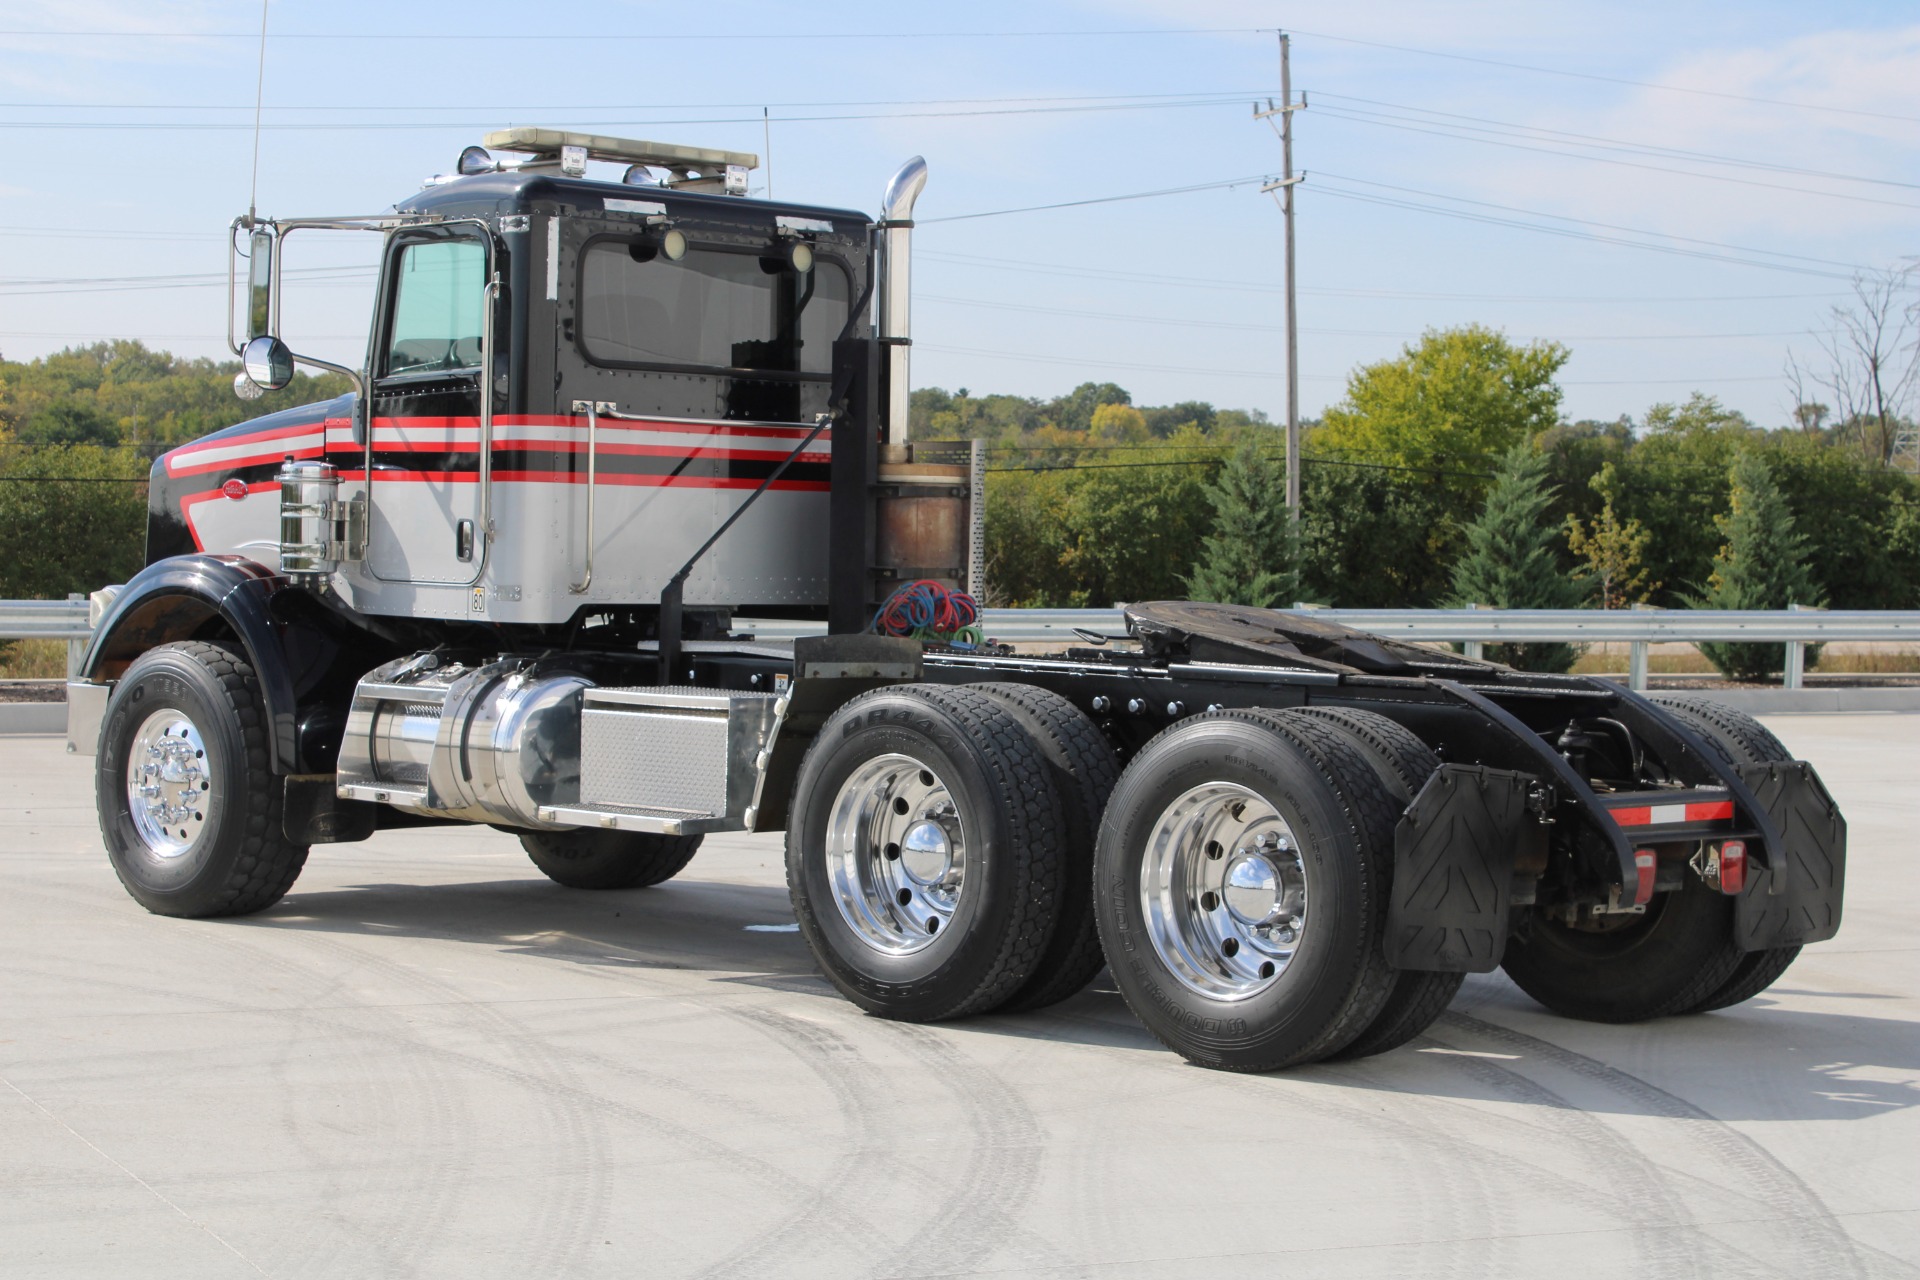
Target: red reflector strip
{"type": "Point", "coordinates": [1667, 814]}
{"type": "Point", "coordinates": [1643, 868]}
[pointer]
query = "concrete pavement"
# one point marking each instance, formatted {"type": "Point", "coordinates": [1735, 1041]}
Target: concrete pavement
{"type": "Point", "coordinates": [430, 1061]}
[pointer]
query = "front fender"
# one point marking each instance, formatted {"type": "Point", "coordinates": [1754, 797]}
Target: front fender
{"type": "Point", "coordinates": [192, 597]}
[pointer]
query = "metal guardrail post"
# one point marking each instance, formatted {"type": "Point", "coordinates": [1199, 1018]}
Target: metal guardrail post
{"type": "Point", "coordinates": [1637, 660]}
{"type": "Point", "coordinates": [1475, 649]}
{"type": "Point", "coordinates": [76, 649]}
{"type": "Point", "coordinates": [1793, 675]}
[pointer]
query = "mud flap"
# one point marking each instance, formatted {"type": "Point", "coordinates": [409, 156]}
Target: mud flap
{"type": "Point", "coordinates": [313, 812]}
{"type": "Point", "coordinates": [1795, 898]}
{"type": "Point", "coordinates": [1454, 854]}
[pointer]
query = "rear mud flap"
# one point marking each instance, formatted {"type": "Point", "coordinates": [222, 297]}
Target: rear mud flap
{"type": "Point", "coordinates": [1795, 899]}
{"type": "Point", "coordinates": [1454, 854]}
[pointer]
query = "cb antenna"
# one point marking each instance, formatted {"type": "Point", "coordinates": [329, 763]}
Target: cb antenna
{"type": "Point", "coordinates": [259, 95]}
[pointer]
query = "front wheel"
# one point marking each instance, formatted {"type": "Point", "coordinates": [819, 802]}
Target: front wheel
{"type": "Point", "coordinates": [189, 808]}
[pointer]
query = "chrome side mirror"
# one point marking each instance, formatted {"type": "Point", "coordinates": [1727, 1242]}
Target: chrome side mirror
{"type": "Point", "coordinates": [260, 285]}
{"type": "Point", "coordinates": [268, 363]}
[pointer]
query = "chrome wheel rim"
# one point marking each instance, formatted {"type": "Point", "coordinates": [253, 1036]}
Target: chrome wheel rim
{"type": "Point", "coordinates": [1224, 891]}
{"type": "Point", "coordinates": [169, 783]}
{"type": "Point", "coordinates": [896, 854]}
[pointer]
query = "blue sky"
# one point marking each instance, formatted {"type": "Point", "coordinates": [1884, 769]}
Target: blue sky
{"type": "Point", "coordinates": [1769, 149]}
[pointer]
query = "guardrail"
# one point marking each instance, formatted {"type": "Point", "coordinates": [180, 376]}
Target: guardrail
{"type": "Point", "coordinates": [1794, 629]}
{"type": "Point", "coordinates": [72, 620]}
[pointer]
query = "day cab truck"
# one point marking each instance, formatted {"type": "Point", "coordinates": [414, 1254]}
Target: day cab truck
{"type": "Point", "coordinates": [610, 406]}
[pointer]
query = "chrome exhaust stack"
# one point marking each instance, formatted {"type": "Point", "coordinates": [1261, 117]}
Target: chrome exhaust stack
{"type": "Point", "coordinates": [895, 292]}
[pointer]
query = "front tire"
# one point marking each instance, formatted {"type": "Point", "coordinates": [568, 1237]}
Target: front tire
{"type": "Point", "coordinates": [1241, 889]}
{"type": "Point", "coordinates": [923, 854]}
{"type": "Point", "coordinates": [189, 807]}
{"type": "Point", "coordinates": [589, 858]}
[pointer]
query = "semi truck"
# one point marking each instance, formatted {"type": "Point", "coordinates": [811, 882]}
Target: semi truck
{"type": "Point", "coordinates": [612, 406]}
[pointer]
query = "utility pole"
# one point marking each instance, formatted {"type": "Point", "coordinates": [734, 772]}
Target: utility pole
{"type": "Point", "coordinates": [1287, 182]}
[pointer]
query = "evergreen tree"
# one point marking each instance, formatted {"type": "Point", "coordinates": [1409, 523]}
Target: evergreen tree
{"type": "Point", "coordinates": [1512, 561]}
{"type": "Point", "coordinates": [1249, 556]}
{"type": "Point", "coordinates": [1762, 565]}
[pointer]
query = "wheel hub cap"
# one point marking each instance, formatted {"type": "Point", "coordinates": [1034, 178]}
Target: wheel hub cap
{"type": "Point", "coordinates": [169, 783]}
{"type": "Point", "coordinates": [1223, 890]}
{"type": "Point", "coordinates": [896, 854]}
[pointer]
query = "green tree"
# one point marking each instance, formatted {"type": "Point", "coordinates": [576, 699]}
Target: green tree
{"type": "Point", "coordinates": [72, 518]}
{"type": "Point", "coordinates": [1367, 537]}
{"type": "Point", "coordinates": [68, 421]}
{"type": "Point", "coordinates": [1511, 559]}
{"type": "Point", "coordinates": [1761, 565]}
{"type": "Point", "coordinates": [1074, 411]}
{"type": "Point", "coordinates": [1455, 401]}
{"type": "Point", "coordinates": [1612, 551]}
{"type": "Point", "coordinates": [1248, 557]}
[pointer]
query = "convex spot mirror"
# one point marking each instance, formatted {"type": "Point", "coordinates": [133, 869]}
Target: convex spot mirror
{"type": "Point", "coordinates": [268, 363]}
{"type": "Point", "coordinates": [260, 285]}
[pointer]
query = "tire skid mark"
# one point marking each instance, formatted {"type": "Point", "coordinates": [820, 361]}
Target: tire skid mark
{"type": "Point", "coordinates": [429, 1183]}
{"type": "Point", "coordinates": [1820, 1245]}
{"type": "Point", "coordinates": [403, 1190]}
{"type": "Point", "coordinates": [1655, 1217]}
{"type": "Point", "coordinates": [857, 1086]}
{"type": "Point", "coordinates": [576, 1192]}
{"type": "Point", "coordinates": [1462, 1181]}
{"type": "Point", "coordinates": [981, 1216]}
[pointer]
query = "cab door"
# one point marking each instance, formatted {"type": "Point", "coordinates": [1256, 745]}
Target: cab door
{"type": "Point", "coordinates": [425, 482]}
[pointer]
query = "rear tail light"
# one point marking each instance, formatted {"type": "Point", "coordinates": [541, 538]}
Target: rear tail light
{"type": "Point", "coordinates": [1643, 868]}
{"type": "Point", "coordinates": [1733, 866]}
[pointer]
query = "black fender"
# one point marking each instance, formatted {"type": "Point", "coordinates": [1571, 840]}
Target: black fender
{"type": "Point", "coordinates": [197, 597]}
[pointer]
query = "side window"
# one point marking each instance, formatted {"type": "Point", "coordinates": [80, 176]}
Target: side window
{"type": "Point", "coordinates": [712, 310]}
{"type": "Point", "coordinates": [438, 299]}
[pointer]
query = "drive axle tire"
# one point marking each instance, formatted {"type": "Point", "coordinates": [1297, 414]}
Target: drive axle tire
{"type": "Point", "coordinates": [1240, 883]}
{"type": "Point", "coordinates": [189, 808]}
{"type": "Point", "coordinates": [1084, 770]}
{"type": "Point", "coordinates": [1740, 739]}
{"type": "Point", "coordinates": [1666, 961]}
{"type": "Point", "coordinates": [1403, 763]}
{"type": "Point", "coordinates": [923, 852]}
{"type": "Point", "coordinates": [589, 858]}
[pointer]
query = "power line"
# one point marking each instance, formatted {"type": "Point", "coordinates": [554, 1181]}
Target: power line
{"type": "Point", "coordinates": [1032, 267]}
{"type": "Point", "coordinates": [1074, 204]}
{"type": "Point", "coordinates": [621, 123]}
{"type": "Point", "coordinates": [1335, 113]}
{"type": "Point", "coordinates": [661, 37]}
{"type": "Point", "coordinates": [1639, 148]}
{"type": "Point", "coordinates": [1570, 232]}
{"type": "Point", "coordinates": [505, 109]}
{"type": "Point", "coordinates": [1584, 75]}
{"type": "Point", "coordinates": [1342, 333]}
{"type": "Point", "coordinates": [1029, 358]}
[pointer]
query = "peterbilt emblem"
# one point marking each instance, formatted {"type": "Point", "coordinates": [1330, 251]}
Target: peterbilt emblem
{"type": "Point", "coordinates": [235, 488]}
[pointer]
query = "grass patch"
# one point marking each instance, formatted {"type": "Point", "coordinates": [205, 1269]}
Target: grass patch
{"type": "Point", "coordinates": [1876, 662]}
{"type": "Point", "coordinates": [33, 660]}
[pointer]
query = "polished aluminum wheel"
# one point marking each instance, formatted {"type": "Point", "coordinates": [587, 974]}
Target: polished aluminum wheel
{"type": "Point", "coordinates": [169, 783]}
{"type": "Point", "coordinates": [1224, 891]}
{"type": "Point", "coordinates": [896, 854]}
